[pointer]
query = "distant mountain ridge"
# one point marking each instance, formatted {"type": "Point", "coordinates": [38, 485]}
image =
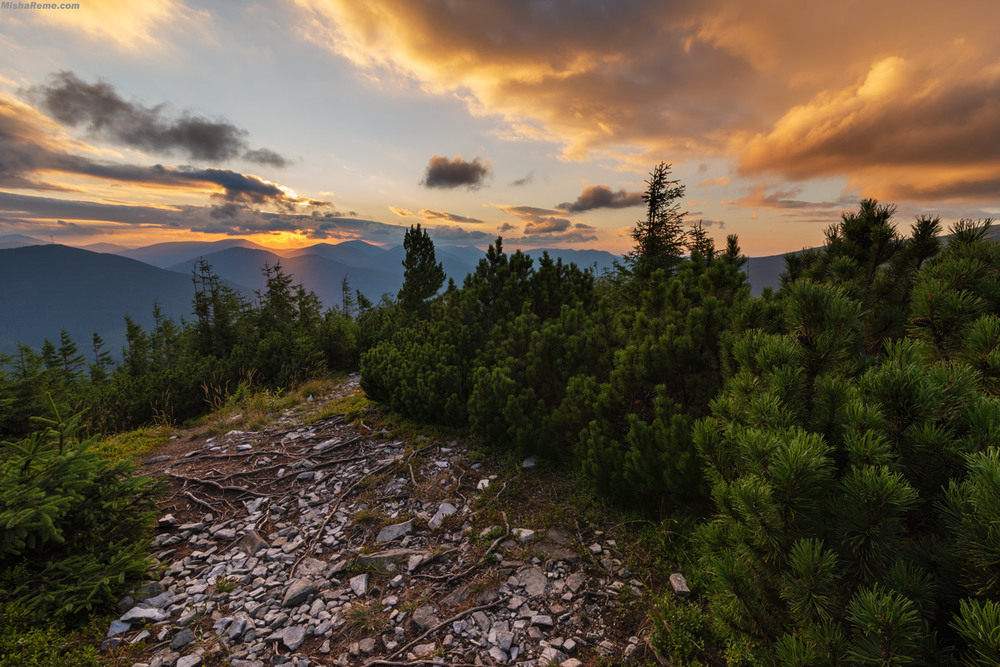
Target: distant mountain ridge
{"type": "Point", "coordinates": [47, 287]}
{"type": "Point", "coordinates": [51, 287]}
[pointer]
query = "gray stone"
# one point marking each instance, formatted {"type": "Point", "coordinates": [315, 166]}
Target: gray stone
{"type": "Point", "coordinates": [144, 614]}
{"type": "Point", "coordinates": [551, 656]}
{"type": "Point", "coordinates": [679, 584]}
{"type": "Point", "coordinates": [446, 509]}
{"type": "Point", "coordinates": [359, 584]}
{"type": "Point", "coordinates": [182, 639]}
{"type": "Point", "coordinates": [389, 556]}
{"type": "Point", "coordinates": [528, 462]}
{"type": "Point", "coordinates": [366, 645]}
{"type": "Point", "coordinates": [298, 592]}
{"type": "Point", "coordinates": [251, 543]}
{"type": "Point", "coordinates": [572, 662]}
{"type": "Point", "coordinates": [425, 617]}
{"type": "Point", "coordinates": [118, 627]}
{"type": "Point", "coordinates": [158, 459]}
{"type": "Point", "coordinates": [523, 534]}
{"type": "Point", "coordinates": [534, 581]}
{"type": "Point", "coordinates": [189, 661]}
{"type": "Point", "coordinates": [311, 566]}
{"type": "Point", "coordinates": [542, 621]}
{"type": "Point", "coordinates": [160, 601]}
{"type": "Point", "coordinates": [293, 637]}
{"type": "Point", "coordinates": [499, 654]}
{"type": "Point", "coordinates": [575, 581]}
{"type": "Point", "coordinates": [394, 532]}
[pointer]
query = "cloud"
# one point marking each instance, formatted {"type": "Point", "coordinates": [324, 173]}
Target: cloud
{"type": "Point", "coordinates": [906, 112]}
{"type": "Point", "coordinates": [33, 148]}
{"type": "Point", "coordinates": [523, 181]}
{"type": "Point", "coordinates": [601, 196]}
{"type": "Point", "coordinates": [720, 181]}
{"type": "Point", "coordinates": [547, 224]}
{"type": "Point", "coordinates": [124, 24]}
{"type": "Point", "coordinates": [402, 212]}
{"type": "Point", "coordinates": [710, 223]}
{"type": "Point", "coordinates": [45, 215]}
{"type": "Point", "coordinates": [444, 172]}
{"type": "Point", "coordinates": [102, 111]}
{"type": "Point", "coordinates": [432, 215]}
{"type": "Point", "coordinates": [902, 130]}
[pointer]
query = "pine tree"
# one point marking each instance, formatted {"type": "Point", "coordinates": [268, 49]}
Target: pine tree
{"type": "Point", "coordinates": [659, 239]}
{"type": "Point", "coordinates": [99, 369]}
{"type": "Point", "coordinates": [423, 276]}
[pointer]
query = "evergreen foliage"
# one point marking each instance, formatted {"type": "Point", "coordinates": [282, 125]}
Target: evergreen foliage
{"type": "Point", "coordinates": [56, 495]}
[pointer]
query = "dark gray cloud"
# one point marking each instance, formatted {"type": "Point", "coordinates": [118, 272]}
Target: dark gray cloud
{"type": "Point", "coordinates": [101, 110]}
{"type": "Point", "coordinates": [601, 196]}
{"type": "Point", "coordinates": [547, 224]}
{"type": "Point", "coordinates": [445, 172]}
{"type": "Point", "coordinates": [523, 181]}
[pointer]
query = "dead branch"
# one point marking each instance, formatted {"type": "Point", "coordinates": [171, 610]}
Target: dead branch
{"type": "Point", "coordinates": [216, 485]}
{"type": "Point", "coordinates": [440, 625]}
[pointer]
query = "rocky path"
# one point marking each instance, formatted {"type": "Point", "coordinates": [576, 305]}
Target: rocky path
{"type": "Point", "coordinates": [334, 544]}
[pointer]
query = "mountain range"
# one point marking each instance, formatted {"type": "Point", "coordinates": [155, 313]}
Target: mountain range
{"type": "Point", "coordinates": [47, 287]}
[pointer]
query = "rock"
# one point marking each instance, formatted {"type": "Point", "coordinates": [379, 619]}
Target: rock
{"type": "Point", "coordinates": [542, 621]}
{"type": "Point", "coordinates": [158, 459]}
{"type": "Point", "coordinates": [390, 533]}
{"type": "Point", "coordinates": [679, 584]}
{"type": "Point", "coordinates": [144, 614]}
{"type": "Point", "coordinates": [523, 534]}
{"type": "Point", "coordinates": [298, 592]}
{"type": "Point", "coordinates": [359, 584]}
{"type": "Point", "coordinates": [551, 656]}
{"type": "Point", "coordinates": [166, 521]}
{"type": "Point", "coordinates": [251, 543]}
{"type": "Point", "coordinates": [366, 645]}
{"type": "Point", "coordinates": [446, 509]}
{"type": "Point", "coordinates": [572, 662]}
{"type": "Point", "coordinates": [389, 556]}
{"type": "Point", "coordinates": [310, 567]}
{"type": "Point", "coordinates": [483, 484]}
{"type": "Point", "coordinates": [528, 463]}
{"type": "Point", "coordinates": [499, 654]}
{"type": "Point", "coordinates": [160, 601]}
{"type": "Point", "coordinates": [182, 639]}
{"type": "Point", "coordinates": [534, 581]}
{"type": "Point", "coordinates": [424, 650]}
{"type": "Point", "coordinates": [425, 617]}
{"type": "Point", "coordinates": [293, 637]}
{"type": "Point", "coordinates": [189, 661]}
{"type": "Point", "coordinates": [118, 627]}
{"type": "Point", "coordinates": [575, 581]}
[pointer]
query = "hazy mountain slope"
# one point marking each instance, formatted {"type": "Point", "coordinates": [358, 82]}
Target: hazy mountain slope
{"type": "Point", "coordinates": [50, 287]}
{"type": "Point", "coordinates": [168, 254]}
{"type": "Point", "coordinates": [18, 241]}
{"type": "Point", "coordinates": [321, 275]}
{"type": "Point", "coordinates": [350, 253]}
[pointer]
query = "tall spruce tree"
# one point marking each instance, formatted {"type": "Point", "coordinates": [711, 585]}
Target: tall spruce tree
{"type": "Point", "coordinates": [659, 238]}
{"type": "Point", "coordinates": [423, 276]}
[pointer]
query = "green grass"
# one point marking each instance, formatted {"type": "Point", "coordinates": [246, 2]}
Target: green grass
{"type": "Point", "coordinates": [134, 444]}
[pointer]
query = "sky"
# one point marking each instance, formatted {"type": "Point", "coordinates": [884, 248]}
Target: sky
{"type": "Point", "coordinates": [303, 121]}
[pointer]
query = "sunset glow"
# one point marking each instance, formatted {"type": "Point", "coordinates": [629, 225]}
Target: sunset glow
{"type": "Point", "coordinates": [323, 120]}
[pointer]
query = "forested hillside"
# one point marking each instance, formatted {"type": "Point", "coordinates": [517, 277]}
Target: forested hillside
{"type": "Point", "coordinates": [823, 456]}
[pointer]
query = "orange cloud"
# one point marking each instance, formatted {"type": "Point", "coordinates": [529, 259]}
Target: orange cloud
{"type": "Point", "coordinates": [904, 130]}
{"type": "Point", "coordinates": [804, 92]}
{"type": "Point", "coordinates": [125, 24]}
